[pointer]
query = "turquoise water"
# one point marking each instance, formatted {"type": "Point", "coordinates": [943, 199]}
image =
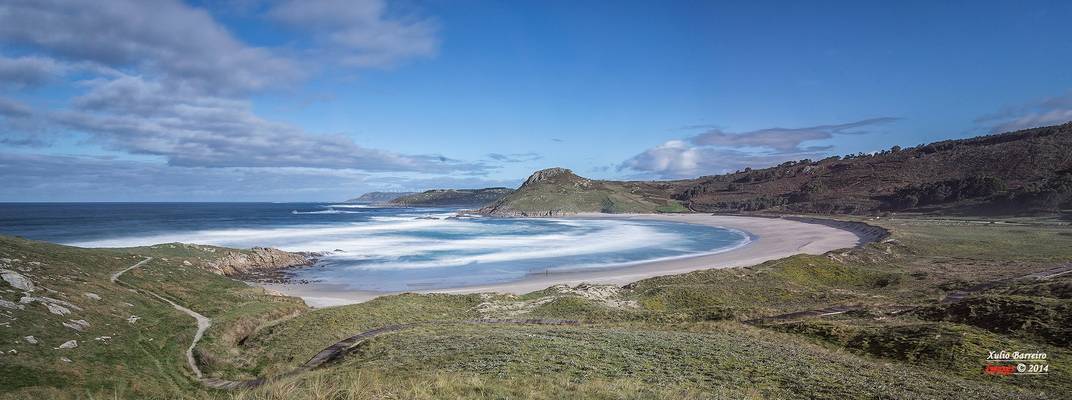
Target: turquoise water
{"type": "Point", "coordinates": [374, 248]}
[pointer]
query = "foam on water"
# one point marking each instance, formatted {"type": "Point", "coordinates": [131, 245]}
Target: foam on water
{"type": "Point", "coordinates": [371, 248]}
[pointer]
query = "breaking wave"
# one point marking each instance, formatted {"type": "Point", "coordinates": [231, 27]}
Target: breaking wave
{"type": "Point", "coordinates": [406, 248]}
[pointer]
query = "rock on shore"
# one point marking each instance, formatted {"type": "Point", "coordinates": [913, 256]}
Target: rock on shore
{"type": "Point", "coordinates": [256, 259]}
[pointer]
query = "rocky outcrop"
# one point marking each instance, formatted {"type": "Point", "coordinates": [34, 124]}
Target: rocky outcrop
{"type": "Point", "coordinates": [77, 324]}
{"type": "Point", "coordinates": [556, 174]}
{"type": "Point", "coordinates": [10, 305]}
{"type": "Point", "coordinates": [255, 260]}
{"type": "Point", "coordinates": [55, 306]}
{"type": "Point", "coordinates": [16, 280]}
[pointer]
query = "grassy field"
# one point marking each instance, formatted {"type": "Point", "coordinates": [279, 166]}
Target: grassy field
{"type": "Point", "coordinates": [682, 336]}
{"type": "Point", "coordinates": [132, 346]}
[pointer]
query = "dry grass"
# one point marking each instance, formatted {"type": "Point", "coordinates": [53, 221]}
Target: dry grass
{"type": "Point", "coordinates": [365, 384]}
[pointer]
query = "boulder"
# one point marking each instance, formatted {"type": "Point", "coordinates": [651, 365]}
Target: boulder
{"type": "Point", "coordinates": [77, 324]}
{"type": "Point", "coordinates": [70, 344]}
{"type": "Point", "coordinates": [55, 306]}
{"type": "Point", "coordinates": [16, 280]}
{"type": "Point", "coordinates": [11, 305]}
{"type": "Point", "coordinates": [57, 309]}
{"type": "Point", "coordinates": [256, 259]}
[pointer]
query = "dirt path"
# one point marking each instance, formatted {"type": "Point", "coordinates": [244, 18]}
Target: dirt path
{"type": "Point", "coordinates": [333, 352]}
{"type": "Point", "coordinates": [203, 322]}
{"type": "Point", "coordinates": [115, 276]}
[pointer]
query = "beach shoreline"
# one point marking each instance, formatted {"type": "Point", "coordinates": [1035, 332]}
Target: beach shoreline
{"type": "Point", "coordinates": [771, 238]}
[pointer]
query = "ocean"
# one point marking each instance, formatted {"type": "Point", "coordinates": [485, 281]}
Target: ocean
{"type": "Point", "coordinates": [376, 248]}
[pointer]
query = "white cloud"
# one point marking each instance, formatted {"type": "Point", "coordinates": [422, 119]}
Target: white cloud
{"type": "Point", "coordinates": [28, 71]}
{"type": "Point", "coordinates": [361, 33]}
{"type": "Point", "coordinates": [166, 79]}
{"type": "Point", "coordinates": [515, 157]}
{"type": "Point", "coordinates": [81, 178]}
{"type": "Point", "coordinates": [680, 159]}
{"type": "Point", "coordinates": [136, 116]}
{"type": "Point", "coordinates": [786, 140]}
{"type": "Point", "coordinates": [1049, 111]}
{"type": "Point", "coordinates": [717, 151]}
{"type": "Point", "coordinates": [183, 44]}
{"type": "Point", "coordinates": [13, 109]}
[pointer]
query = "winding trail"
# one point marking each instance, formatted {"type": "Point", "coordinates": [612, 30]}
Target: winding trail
{"type": "Point", "coordinates": [115, 276]}
{"type": "Point", "coordinates": [203, 322]}
{"type": "Point", "coordinates": [339, 349]}
{"type": "Point", "coordinates": [333, 352]}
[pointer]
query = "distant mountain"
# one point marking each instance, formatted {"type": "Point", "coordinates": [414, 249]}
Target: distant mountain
{"type": "Point", "coordinates": [378, 197]}
{"type": "Point", "coordinates": [1017, 172]}
{"type": "Point", "coordinates": [452, 197]}
{"type": "Point", "coordinates": [558, 191]}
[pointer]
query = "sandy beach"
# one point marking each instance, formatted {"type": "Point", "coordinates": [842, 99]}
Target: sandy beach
{"type": "Point", "coordinates": [772, 238]}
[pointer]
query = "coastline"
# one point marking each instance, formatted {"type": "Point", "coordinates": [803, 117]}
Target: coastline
{"type": "Point", "coordinates": [771, 238]}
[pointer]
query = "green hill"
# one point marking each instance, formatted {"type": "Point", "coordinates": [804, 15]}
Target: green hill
{"type": "Point", "coordinates": [557, 191]}
{"type": "Point", "coordinates": [452, 197]}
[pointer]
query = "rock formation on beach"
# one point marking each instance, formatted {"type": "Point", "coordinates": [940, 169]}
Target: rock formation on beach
{"type": "Point", "coordinates": [255, 260]}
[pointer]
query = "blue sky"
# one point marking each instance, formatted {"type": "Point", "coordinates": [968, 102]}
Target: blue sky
{"type": "Point", "coordinates": [322, 100]}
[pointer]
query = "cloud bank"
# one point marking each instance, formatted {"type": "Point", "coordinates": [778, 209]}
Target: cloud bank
{"type": "Point", "coordinates": [718, 151]}
{"type": "Point", "coordinates": [1049, 111]}
{"type": "Point", "coordinates": [164, 79]}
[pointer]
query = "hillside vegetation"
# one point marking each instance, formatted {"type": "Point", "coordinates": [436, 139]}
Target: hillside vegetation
{"type": "Point", "coordinates": [452, 197]}
{"type": "Point", "coordinates": [71, 332]}
{"type": "Point", "coordinates": [1023, 172]}
{"type": "Point", "coordinates": [558, 191]}
{"type": "Point", "coordinates": [1016, 172]}
{"type": "Point", "coordinates": [687, 336]}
